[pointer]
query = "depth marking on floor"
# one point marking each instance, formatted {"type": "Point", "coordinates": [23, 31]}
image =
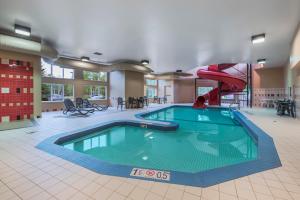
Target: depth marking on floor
{"type": "Point", "coordinates": [151, 174]}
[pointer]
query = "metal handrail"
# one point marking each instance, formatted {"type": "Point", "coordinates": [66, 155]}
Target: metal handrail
{"type": "Point", "coordinates": [230, 108]}
{"type": "Point", "coordinates": [231, 104]}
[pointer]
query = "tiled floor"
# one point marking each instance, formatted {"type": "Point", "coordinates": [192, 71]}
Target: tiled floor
{"type": "Point", "coordinates": [28, 173]}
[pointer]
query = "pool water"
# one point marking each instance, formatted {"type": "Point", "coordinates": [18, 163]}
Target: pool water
{"type": "Point", "coordinates": [206, 139]}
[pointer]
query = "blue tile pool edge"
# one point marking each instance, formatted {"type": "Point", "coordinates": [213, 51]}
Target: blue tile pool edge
{"type": "Point", "coordinates": [267, 154]}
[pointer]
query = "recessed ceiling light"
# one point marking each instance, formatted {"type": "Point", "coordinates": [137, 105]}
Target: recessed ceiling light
{"type": "Point", "coordinates": [145, 62]}
{"type": "Point", "coordinates": [22, 30]}
{"type": "Point", "coordinates": [261, 61]}
{"type": "Point", "coordinates": [85, 59]}
{"type": "Point", "coordinates": [98, 53]}
{"type": "Point", "coordinates": [256, 39]}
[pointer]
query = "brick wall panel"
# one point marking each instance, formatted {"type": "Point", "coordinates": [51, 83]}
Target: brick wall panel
{"type": "Point", "coordinates": [17, 74]}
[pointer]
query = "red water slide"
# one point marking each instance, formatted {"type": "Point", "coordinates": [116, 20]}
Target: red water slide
{"type": "Point", "coordinates": [228, 84]}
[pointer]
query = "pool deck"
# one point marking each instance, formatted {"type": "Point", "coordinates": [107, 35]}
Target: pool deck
{"type": "Point", "coordinates": [29, 173]}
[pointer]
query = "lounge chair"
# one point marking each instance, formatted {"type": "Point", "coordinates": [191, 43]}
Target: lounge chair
{"type": "Point", "coordinates": [70, 107]}
{"type": "Point", "coordinates": [79, 103]}
{"type": "Point", "coordinates": [88, 104]}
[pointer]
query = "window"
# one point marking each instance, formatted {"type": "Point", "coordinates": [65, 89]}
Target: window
{"type": "Point", "coordinates": [57, 92]}
{"type": "Point", "coordinates": [151, 88]}
{"type": "Point", "coordinates": [68, 73]}
{"type": "Point", "coordinates": [103, 76]}
{"type": "Point", "coordinates": [151, 82]}
{"type": "Point", "coordinates": [203, 90]}
{"type": "Point", "coordinates": [151, 92]}
{"type": "Point", "coordinates": [55, 71]}
{"type": "Point", "coordinates": [95, 76]}
{"type": "Point", "coordinates": [46, 69]}
{"type": "Point", "coordinates": [228, 97]}
{"type": "Point", "coordinates": [95, 92]}
{"type": "Point", "coordinates": [68, 91]}
{"type": "Point", "coordinates": [46, 92]}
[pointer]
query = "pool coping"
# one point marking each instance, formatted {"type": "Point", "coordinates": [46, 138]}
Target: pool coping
{"type": "Point", "coordinates": [267, 157]}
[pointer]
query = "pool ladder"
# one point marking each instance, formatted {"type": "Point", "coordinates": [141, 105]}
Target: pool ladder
{"type": "Point", "coordinates": [231, 108]}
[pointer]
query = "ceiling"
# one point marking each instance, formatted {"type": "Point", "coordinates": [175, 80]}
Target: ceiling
{"type": "Point", "coordinates": [172, 34]}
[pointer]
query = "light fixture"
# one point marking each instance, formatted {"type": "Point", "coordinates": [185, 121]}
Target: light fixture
{"type": "Point", "coordinates": [85, 59]}
{"type": "Point", "coordinates": [145, 62]}
{"type": "Point", "coordinates": [261, 61]}
{"type": "Point", "coordinates": [98, 53]}
{"type": "Point", "coordinates": [22, 30]}
{"type": "Point", "coordinates": [256, 39]}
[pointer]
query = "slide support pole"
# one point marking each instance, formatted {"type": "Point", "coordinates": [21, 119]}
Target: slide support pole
{"type": "Point", "coordinates": [220, 92]}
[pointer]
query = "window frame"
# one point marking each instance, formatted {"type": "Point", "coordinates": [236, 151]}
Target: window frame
{"type": "Point", "coordinates": [73, 91]}
{"type": "Point", "coordinates": [153, 86]}
{"type": "Point", "coordinates": [63, 71]}
{"type": "Point", "coordinates": [63, 92]}
{"type": "Point", "coordinates": [96, 86]}
{"type": "Point", "coordinates": [207, 87]}
{"type": "Point", "coordinates": [94, 72]}
{"type": "Point", "coordinates": [73, 74]}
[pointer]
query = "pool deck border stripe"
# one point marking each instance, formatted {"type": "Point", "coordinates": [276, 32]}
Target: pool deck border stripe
{"type": "Point", "coordinates": [267, 154]}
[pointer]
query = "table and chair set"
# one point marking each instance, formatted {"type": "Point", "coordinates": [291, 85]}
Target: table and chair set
{"type": "Point", "coordinates": [286, 107]}
{"type": "Point", "coordinates": [283, 107]}
{"type": "Point", "coordinates": [140, 102]}
{"type": "Point", "coordinates": [160, 100]}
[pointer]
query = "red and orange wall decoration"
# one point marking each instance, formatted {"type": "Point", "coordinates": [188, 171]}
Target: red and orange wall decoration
{"type": "Point", "coordinates": [16, 90]}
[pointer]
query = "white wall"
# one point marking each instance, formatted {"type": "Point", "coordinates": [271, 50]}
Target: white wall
{"type": "Point", "coordinates": [292, 71]}
{"type": "Point", "coordinates": [125, 84]}
{"type": "Point", "coordinates": [117, 86]}
{"type": "Point", "coordinates": [170, 89]}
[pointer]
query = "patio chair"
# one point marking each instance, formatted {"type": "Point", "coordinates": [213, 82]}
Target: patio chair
{"type": "Point", "coordinates": [88, 104]}
{"type": "Point", "coordinates": [146, 101]}
{"type": "Point", "coordinates": [155, 99]}
{"type": "Point", "coordinates": [165, 99]}
{"type": "Point", "coordinates": [288, 106]}
{"type": "Point", "coordinates": [121, 103]}
{"type": "Point", "coordinates": [293, 109]}
{"type": "Point", "coordinates": [70, 107]}
{"type": "Point", "coordinates": [141, 102]}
